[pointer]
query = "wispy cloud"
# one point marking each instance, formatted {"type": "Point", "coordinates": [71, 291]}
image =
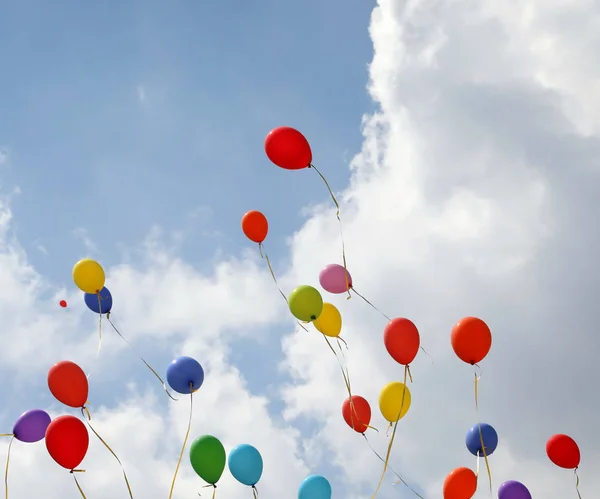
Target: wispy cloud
{"type": "Point", "coordinates": [3, 155]}
{"type": "Point", "coordinates": [82, 234]}
{"type": "Point", "coordinates": [141, 93]}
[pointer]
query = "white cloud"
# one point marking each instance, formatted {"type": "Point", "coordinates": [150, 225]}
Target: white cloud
{"type": "Point", "coordinates": [473, 195]}
{"type": "Point", "coordinates": [82, 235]}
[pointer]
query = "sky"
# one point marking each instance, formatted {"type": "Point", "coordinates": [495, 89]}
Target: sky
{"type": "Point", "coordinates": [462, 141]}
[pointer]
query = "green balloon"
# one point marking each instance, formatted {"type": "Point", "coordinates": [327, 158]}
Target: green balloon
{"type": "Point", "coordinates": [207, 456]}
{"type": "Point", "coordinates": [306, 303]}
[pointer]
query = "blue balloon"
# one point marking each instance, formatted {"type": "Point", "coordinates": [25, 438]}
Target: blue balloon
{"type": "Point", "coordinates": [314, 487]}
{"type": "Point", "coordinates": [245, 464]}
{"type": "Point", "coordinates": [490, 439]}
{"type": "Point", "coordinates": [184, 371]}
{"type": "Point", "coordinates": [91, 300]}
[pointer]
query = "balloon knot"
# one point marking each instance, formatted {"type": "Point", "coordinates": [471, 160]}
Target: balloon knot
{"type": "Point", "coordinates": [313, 317]}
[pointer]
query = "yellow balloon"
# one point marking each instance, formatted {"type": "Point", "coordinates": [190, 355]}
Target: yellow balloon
{"type": "Point", "coordinates": [330, 321]}
{"type": "Point", "coordinates": [391, 405]}
{"type": "Point", "coordinates": [89, 276]}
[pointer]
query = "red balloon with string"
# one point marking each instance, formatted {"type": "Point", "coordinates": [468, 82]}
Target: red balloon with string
{"type": "Point", "coordinates": [359, 418]}
{"type": "Point", "coordinates": [563, 451]}
{"type": "Point", "coordinates": [67, 441]}
{"type": "Point", "coordinates": [471, 340]}
{"type": "Point", "coordinates": [287, 148]}
{"type": "Point", "coordinates": [402, 340]}
{"type": "Point", "coordinates": [68, 383]}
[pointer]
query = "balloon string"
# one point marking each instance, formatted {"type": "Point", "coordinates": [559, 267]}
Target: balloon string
{"type": "Point", "coordinates": [389, 449]}
{"type": "Point", "coordinates": [353, 289]}
{"type": "Point", "coordinates": [337, 214]}
{"type": "Point", "coordinates": [400, 479]}
{"type": "Point", "coordinates": [99, 324]}
{"type": "Point", "coordinates": [152, 370]}
{"type": "Point", "coordinates": [7, 462]}
{"type": "Point", "coordinates": [254, 492]}
{"type": "Point", "coordinates": [264, 256]}
{"type": "Point", "coordinates": [109, 449]}
{"type": "Point", "coordinates": [577, 483]}
{"type": "Point", "coordinates": [485, 457]}
{"type": "Point", "coordinates": [77, 482]}
{"type": "Point", "coordinates": [187, 435]}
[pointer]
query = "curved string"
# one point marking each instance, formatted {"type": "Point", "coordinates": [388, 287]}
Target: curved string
{"type": "Point", "coordinates": [337, 214]}
{"type": "Point", "coordinates": [389, 449]}
{"type": "Point", "coordinates": [187, 435]}
{"type": "Point", "coordinates": [77, 482]}
{"type": "Point", "coordinates": [152, 370]}
{"type": "Point", "coordinates": [7, 461]}
{"type": "Point", "coordinates": [109, 449]}
{"type": "Point", "coordinates": [577, 483]}
{"type": "Point", "coordinates": [353, 289]}
{"type": "Point", "coordinates": [485, 456]}
{"type": "Point", "coordinates": [254, 492]}
{"type": "Point", "coordinates": [400, 479]}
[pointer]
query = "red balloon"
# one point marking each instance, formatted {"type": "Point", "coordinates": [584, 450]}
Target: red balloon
{"type": "Point", "coordinates": [62, 303]}
{"type": "Point", "coordinates": [563, 451]}
{"type": "Point", "coordinates": [288, 148]}
{"type": "Point", "coordinates": [402, 340]}
{"type": "Point", "coordinates": [67, 441]}
{"type": "Point", "coordinates": [68, 383]}
{"type": "Point", "coordinates": [460, 483]}
{"type": "Point", "coordinates": [471, 340]}
{"type": "Point", "coordinates": [360, 418]}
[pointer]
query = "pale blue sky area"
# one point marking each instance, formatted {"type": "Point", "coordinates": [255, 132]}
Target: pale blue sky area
{"type": "Point", "coordinates": [120, 115]}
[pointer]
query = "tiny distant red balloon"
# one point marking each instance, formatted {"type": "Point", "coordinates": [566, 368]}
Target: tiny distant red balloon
{"type": "Point", "coordinates": [288, 148]}
{"type": "Point", "coordinates": [63, 303]}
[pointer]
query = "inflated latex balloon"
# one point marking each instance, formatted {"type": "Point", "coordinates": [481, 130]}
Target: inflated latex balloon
{"type": "Point", "coordinates": [394, 401]}
{"type": "Point", "coordinates": [489, 436]}
{"type": "Point", "coordinates": [357, 414]}
{"type": "Point", "coordinates": [67, 441]}
{"type": "Point", "coordinates": [563, 451]}
{"type": "Point", "coordinates": [255, 226]}
{"type": "Point", "coordinates": [207, 456]}
{"type": "Point", "coordinates": [185, 375]}
{"type": "Point", "coordinates": [99, 303]}
{"type": "Point", "coordinates": [335, 279]}
{"type": "Point", "coordinates": [402, 341]}
{"type": "Point", "coordinates": [314, 487]}
{"type": "Point", "coordinates": [471, 340]}
{"type": "Point", "coordinates": [245, 464]}
{"type": "Point", "coordinates": [287, 148]}
{"type": "Point", "coordinates": [513, 490]}
{"type": "Point", "coordinates": [330, 321]}
{"type": "Point", "coordinates": [68, 383]}
{"type": "Point", "coordinates": [460, 483]}
{"type": "Point", "coordinates": [31, 426]}
{"type": "Point", "coordinates": [88, 276]}
{"type": "Point", "coordinates": [306, 303]}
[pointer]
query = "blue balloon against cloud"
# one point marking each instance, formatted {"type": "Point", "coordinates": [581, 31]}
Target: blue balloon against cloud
{"type": "Point", "coordinates": [314, 487]}
{"type": "Point", "coordinates": [184, 371]}
{"type": "Point", "coordinates": [490, 439]}
{"type": "Point", "coordinates": [245, 464]}
{"type": "Point", "coordinates": [106, 301]}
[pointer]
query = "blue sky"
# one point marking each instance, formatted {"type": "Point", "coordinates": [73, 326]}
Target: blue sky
{"type": "Point", "coordinates": [215, 78]}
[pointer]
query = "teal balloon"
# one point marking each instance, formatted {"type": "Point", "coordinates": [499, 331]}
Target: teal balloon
{"type": "Point", "coordinates": [314, 487]}
{"type": "Point", "coordinates": [245, 464]}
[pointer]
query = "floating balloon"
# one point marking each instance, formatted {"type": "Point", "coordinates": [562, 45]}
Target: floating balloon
{"type": "Point", "coordinates": [88, 276]}
{"type": "Point", "coordinates": [513, 490]}
{"type": "Point", "coordinates": [245, 464]}
{"type": "Point", "coordinates": [563, 451]}
{"type": "Point", "coordinates": [460, 484]}
{"type": "Point", "coordinates": [31, 426]}
{"type": "Point", "coordinates": [314, 487]}
{"type": "Point", "coordinates": [207, 456]}
{"type": "Point", "coordinates": [490, 439]}
{"type": "Point", "coordinates": [330, 321]}
{"type": "Point", "coordinates": [184, 371]}
{"type": "Point", "coordinates": [63, 303]}
{"type": "Point", "coordinates": [306, 303]}
{"type": "Point", "coordinates": [255, 226]}
{"type": "Point", "coordinates": [104, 305]}
{"type": "Point", "coordinates": [68, 383]}
{"type": "Point", "coordinates": [402, 340]}
{"type": "Point", "coordinates": [471, 340]}
{"type": "Point", "coordinates": [287, 148]}
{"type": "Point", "coordinates": [335, 279]}
{"type": "Point", "coordinates": [394, 401]}
{"type": "Point", "coordinates": [67, 441]}
{"type": "Point", "coordinates": [359, 418]}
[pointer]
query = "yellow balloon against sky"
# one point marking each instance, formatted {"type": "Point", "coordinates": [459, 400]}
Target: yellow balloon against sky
{"type": "Point", "coordinates": [330, 321]}
{"type": "Point", "coordinates": [88, 276]}
{"type": "Point", "coordinates": [394, 401]}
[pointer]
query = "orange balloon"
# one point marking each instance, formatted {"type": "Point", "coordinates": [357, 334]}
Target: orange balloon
{"type": "Point", "coordinates": [255, 226]}
{"type": "Point", "coordinates": [460, 484]}
{"type": "Point", "coordinates": [402, 341]}
{"type": "Point", "coordinates": [471, 340]}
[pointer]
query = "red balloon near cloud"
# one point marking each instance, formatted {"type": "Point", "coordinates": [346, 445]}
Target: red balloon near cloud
{"type": "Point", "coordinates": [63, 303]}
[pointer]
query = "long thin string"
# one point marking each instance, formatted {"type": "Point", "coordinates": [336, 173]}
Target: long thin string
{"type": "Point", "coordinates": [187, 435]}
{"type": "Point", "coordinates": [89, 417]}
{"type": "Point", "coordinates": [152, 370]}
{"type": "Point", "coordinates": [337, 214]}
{"type": "Point", "coordinates": [265, 256]}
{"type": "Point", "coordinates": [7, 462]}
{"type": "Point", "coordinates": [389, 449]}
{"type": "Point", "coordinates": [254, 492]}
{"type": "Point", "coordinates": [400, 479]}
{"type": "Point", "coordinates": [487, 463]}
{"type": "Point", "coordinates": [99, 324]}
{"type": "Point", "coordinates": [77, 482]}
{"type": "Point", "coordinates": [577, 483]}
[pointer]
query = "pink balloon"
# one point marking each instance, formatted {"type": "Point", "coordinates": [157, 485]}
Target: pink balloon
{"type": "Point", "coordinates": [333, 279]}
